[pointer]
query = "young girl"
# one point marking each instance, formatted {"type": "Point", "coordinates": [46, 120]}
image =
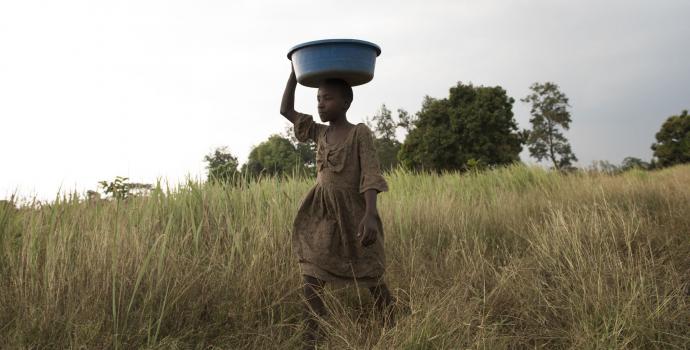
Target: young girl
{"type": "Point", "coordinates": [337, 233]}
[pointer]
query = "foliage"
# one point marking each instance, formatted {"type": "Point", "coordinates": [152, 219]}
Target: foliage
{"type": "Point", "coordinates": [222, 166]}
{"type": "Point", "coordinates": [673, 141]}
{"type": "Point", "coordinates": [549, 114]}
{"type": "Point", "coordinates": [406, 120]}
{"type": "Point", "coordinates": [510, 258]}
{"type": "Point", "coordinates": [306, 150]}
{"type": "Point", "coordinates": [604, 167]}
{"type": "Point", "coordinates": [630, 163]}
{"type": "Point", "coordinates": [382, 124]}
{"type": "Point", "coordinates": [384, 127]}
{"type": "Point", "coordinates": [275, 156]}
{"type": "Point", "coordinates": [474, 123]}
{"type": "Point", "coordinates": [121, 188]}
{"type": "Point", "coordinates": [387, 152]}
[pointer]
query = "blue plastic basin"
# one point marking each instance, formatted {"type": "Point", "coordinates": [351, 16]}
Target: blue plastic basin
{"type": "Point", "coordinates": [348, 59]}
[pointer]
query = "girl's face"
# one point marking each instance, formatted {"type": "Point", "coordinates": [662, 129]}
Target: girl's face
{"type": "Point", "coordinates": [331, 104]}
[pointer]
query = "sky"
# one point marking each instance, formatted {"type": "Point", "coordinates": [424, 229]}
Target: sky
{"type": "Point", "coordinates": [90, 90]}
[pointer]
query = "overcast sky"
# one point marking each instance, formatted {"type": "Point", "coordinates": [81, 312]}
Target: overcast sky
{"type": "Point", "coordinates": [94, 89]}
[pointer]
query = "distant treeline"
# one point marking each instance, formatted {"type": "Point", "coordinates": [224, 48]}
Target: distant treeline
{"type": "Point", "coordinates": [471, 129]}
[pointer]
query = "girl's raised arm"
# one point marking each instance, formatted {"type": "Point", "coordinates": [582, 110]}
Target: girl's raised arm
{"type": "Point", "coordinates": [287, 106]}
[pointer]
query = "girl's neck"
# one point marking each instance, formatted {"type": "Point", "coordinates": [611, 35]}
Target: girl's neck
{"type": "Point", "coordinates": [339, 122]}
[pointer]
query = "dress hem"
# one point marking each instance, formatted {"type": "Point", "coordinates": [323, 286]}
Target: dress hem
{"type": "Point", "coordinates": [312, 270]}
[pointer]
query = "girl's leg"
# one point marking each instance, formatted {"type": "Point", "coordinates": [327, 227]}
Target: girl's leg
{"type": "Point", "coordinates": [383, 302]}
{"type": "Point", "coordinates": [314, 308]}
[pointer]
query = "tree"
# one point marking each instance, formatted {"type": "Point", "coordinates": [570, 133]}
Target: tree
{"type": "Point", "coordinates": [633, 163]}
{"type": "Point", "coordinates": [473, 126]}
{"type": "Point", "coordinates": [672, 144]}
{"type": "Point", "coordinates": [384, 126]}
{"type": "Point", "coordinates": [275, 156]}
{"type": "Point", "coordinates": [121, 188]}
{"type": "Point", "coordinates": [118, 188]}
{"type": "Point", "coordinates": [222, 166]}
{"type": "Point", "coordinates": [306, 150]}
{"type": "Point", "coordinates": [406, 120]}
{"type": "Point", "coordinates": [604, 166]}
{"type": "Point", "coordinates": [549, 114]}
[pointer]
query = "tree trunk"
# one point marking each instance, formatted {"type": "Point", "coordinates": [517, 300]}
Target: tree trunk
{"type": "Point", "coordinates": [551, 153]}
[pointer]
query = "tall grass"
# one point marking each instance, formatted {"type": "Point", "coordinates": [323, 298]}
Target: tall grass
{"type": "Point", "coordinates": [511, 258]}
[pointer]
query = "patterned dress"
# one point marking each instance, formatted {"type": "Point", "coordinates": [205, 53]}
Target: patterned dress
{"type": "Point", "coordinates": [324, 236]}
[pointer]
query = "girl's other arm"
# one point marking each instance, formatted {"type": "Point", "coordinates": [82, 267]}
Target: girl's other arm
{"type": "Point", "coordinates": [370, 200]}
{"type": "Point", "coordinates": [287, 106]}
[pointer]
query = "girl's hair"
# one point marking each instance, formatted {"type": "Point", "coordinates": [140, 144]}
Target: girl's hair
{"type": "Point", "coordinates": [344, 88]}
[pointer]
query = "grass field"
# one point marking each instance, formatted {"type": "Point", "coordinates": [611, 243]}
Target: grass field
{"type": "Point", "coordinates": [511, 258]}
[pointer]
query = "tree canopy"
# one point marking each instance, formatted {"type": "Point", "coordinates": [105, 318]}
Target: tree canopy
{"type": "Point", "coordinates": [306, 150]}
{"type": "Point", "coordinates": [549, 115]}
{"type": "Point", "coordinates": [473, 126]}
{"type": "Point", "coordinates": [672, 144]}
{"type": "Point", "coordinates": [384, 126]}
{"type": "Point", "coordinates": [275, 156]}
{"type": "Point", "coordinates": [634, 163]}
{"type": "Point", "coordinates": [222, 165]}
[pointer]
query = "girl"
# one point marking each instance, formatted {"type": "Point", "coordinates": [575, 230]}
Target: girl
{"type": "Point", "coordinates": [337, 233]}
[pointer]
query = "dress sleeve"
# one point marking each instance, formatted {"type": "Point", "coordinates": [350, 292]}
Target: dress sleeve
{"type": "Point", "coordinates": [306, 129]}
{"type": "Point", "coordinates": [370, 176]}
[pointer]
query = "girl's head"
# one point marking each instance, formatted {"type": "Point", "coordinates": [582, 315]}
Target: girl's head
{"type": "Point", "coordinates": [334, 98]}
